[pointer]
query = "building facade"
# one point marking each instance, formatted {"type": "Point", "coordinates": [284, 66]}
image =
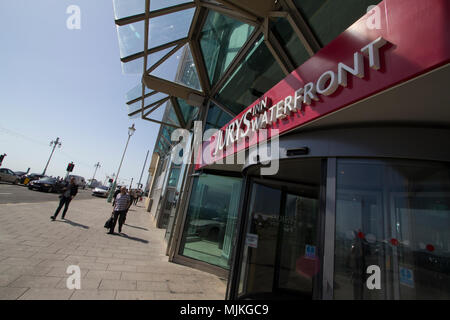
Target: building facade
{"type": "Point", "coordinates": [314, 160]}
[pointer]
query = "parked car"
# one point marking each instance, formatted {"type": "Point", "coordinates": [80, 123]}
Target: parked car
{"type": "Point", "coordinates": [101, 191]}
{"type": "Point", "coordinates": [31, 177]}
{"type": "Point", "coordinates": [7, 175]}
{"type": "Point", "coordinates": [47, 184]}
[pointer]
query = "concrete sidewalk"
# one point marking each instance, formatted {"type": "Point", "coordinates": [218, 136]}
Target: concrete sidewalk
{"type": "Point", "coordinates": [35, 253]}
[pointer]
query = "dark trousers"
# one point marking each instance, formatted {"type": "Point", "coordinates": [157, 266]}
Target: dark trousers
{"type": "Point", "coordinates": [118, 215]}
{"type": "Point", "coordinates": [64, 201]}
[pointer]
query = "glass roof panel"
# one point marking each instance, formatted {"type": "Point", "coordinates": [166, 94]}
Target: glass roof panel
{"type": "Point", "coordinates": [179, 68]}
{"type": "Point", "coordinates": [155, 57]}
{"type": "Point", "coordinates": [256, 74]}
{"type": "Point", "coordinates": [134, 107]}
{"type": "Point", "coordinates": [169, 27]}
{"type": "Point", "coordinates": [154, 98]}
{"type": "Point", "coordinates": [135, 66]}
{"type": "Point", "coordinates": [221, 39]}
{"type": "Point", "coordinates": [161, 4]}
{"type": "Point", "coordinates": [126, 8]}
{"type": "Point", "coordinates": [131, 38]}
{"type": "Point", "coordinates": [136, 92]}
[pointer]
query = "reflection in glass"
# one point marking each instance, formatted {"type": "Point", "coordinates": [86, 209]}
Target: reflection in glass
{"type": "Point", "coordinates": [211, 219]}
{"type": "Point", "coordinates": [395, 215]}
{"type": "Point", "coordinates": [179, 68]}
{"type": "Point", "coordinates": [217, 118]}
{"type": "Point", "coordinates": [253, 77]}
{"type": "Point", "coordinates": [280, 257]}
{"type": "Point", "coordinates": [327, 19]}
{"type": "Point", "coordinates": [289, 40]}
{"type": "Point", "coordinates": [221, 39]}
{"type": "Point", "coordinates": [189, 112]}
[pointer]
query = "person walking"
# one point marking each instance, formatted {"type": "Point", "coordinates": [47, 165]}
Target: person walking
{"type": "Point", "coordinates": [136, 196]}
{"type": "Point", "coordinates": [115, 195]}
{"type": "Point", "coordinates": [120, 209]}
{"type": "Point", "coordinates": [69, 192]}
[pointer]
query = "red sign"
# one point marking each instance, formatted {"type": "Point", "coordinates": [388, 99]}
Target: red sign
{"type": "Point", "coordinates": [412, 38]}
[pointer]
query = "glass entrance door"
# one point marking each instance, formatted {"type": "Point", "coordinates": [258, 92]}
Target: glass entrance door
{"type": "Point", "coordinates": [280, 259]}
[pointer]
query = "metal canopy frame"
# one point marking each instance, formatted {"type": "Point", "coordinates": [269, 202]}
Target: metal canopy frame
{"type": "Point", "coordinates": [255, 13]}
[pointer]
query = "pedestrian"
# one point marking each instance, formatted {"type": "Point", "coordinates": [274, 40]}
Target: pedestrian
{"type": "Point", "coordinates": [136, 197]}
{"type": "Point", "coordinates": [115, 195]}
{"type": "Point", "coordinates": [69, 192]}
{"type": "Point", "coordinates": [122, 202]}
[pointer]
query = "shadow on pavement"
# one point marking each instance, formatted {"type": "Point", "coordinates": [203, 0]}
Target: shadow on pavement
{"type": "Point", "coordinates": [128, 237]}
{"type": "Point", "coordinates": [73, 223]}
{"type": "Point", "coordinates": [129, 225]}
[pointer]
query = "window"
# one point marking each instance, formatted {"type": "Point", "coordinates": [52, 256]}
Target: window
{"type": "Point", "coordinates": [253, 77]}
{"type": "Point", "coordinates": [329, 18]}
{"type": "Point", "coordinates": [221, 39]}
{"type": "Point", "coordinates": [211, 219]}
{"type": "Point", "coordinates": [394, 215]}
{"type": "Point", "coordinates": [289, 40]}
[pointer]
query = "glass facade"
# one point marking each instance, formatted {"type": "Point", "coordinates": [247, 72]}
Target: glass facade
{"type": "Point", "coordinates": [280, 257]}
{"type": "Point", "coordinates": [211, 219]}
{"type": "Point", "coordinates": [290, 41]}
{"type": "Point", "coordinates": [179, 68]}
{"type": "Point", "coordinates": [216, 118]}
{"type": "Point", "coordinates": [256, 74]}
{"type": "Point", "coordinates": [221, 39]}
{"type": "Point", "coordinates": [189, 112]}
{"type": "Point", "coordinates": [328, 18]}
{"type": "Point", "coordinates": [394, 215]}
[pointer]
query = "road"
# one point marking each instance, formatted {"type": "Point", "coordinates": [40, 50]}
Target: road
{"type": "Point", "coordinates": [10, 193]}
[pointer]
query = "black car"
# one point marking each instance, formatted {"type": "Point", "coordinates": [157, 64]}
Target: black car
{"type": "Point", "coordinates": [47, 184]}
{"type": "Point", "coordinates": [31, 177]}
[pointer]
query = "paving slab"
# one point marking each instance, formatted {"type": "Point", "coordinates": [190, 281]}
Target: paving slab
{"type": "Point", "coordinates": [35, 253]}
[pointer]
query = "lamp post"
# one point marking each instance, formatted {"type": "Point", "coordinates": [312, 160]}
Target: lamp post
{"type": "Point", "coordinates": [131, 131]}
{"type": "Point", "coordinates": [54, 143]}
{"type": "Point", "coordinates": [97, 165]}
{"type": "Point", "coordinates": [139, 183]}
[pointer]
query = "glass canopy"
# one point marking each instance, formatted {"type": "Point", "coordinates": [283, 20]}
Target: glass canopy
{"type": "Point", "coordinates": [224, 55]}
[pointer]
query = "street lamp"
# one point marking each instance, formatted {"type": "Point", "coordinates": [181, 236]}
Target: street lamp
{"type": "Point", "coordinates": [97, 165]}
{"type": "Point", "coordinates": [54, 143]}
{"type": "Point", "coordinates": [131, 131]}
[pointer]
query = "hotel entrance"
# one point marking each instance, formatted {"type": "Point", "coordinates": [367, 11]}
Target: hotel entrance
{"type": "Point", "coordinates": [281, 257]}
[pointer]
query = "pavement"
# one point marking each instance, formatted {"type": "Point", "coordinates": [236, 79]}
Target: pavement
{"type": "Point", "coordinates": [36, 252]}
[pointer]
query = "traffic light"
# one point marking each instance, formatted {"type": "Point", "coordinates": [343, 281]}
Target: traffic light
{"type": "Point", "coordinates": [70, 167]}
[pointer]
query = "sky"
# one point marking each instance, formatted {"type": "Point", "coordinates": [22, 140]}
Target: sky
{"type": "Point", "coordinates": [58, 82]}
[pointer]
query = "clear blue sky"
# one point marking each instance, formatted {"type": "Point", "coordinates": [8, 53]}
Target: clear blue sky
{"type": "Point", "coordinates": [56, 82]}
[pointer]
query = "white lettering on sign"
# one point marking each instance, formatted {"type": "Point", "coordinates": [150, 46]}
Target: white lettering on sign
{"type": "Point", "coordinates": [265, 114]}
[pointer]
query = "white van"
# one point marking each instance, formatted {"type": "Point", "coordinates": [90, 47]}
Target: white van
{"type": "Point", "coordinates": [79, 180]}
